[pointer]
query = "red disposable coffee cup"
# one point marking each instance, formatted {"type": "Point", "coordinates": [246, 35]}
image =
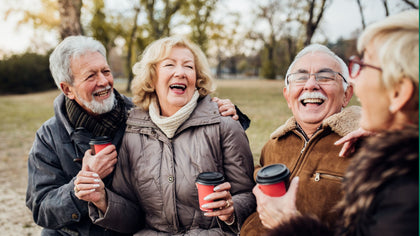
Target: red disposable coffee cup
{"type": "Point", "coordinates": [99, 143]}
{"type": "Point", "coordinates": [272, 179]}
{"type": "Point", "coordinates": [205, 183]}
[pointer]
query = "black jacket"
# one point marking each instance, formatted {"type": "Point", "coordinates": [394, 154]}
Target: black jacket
{"type": "Point", "coordinates": [52, 169]}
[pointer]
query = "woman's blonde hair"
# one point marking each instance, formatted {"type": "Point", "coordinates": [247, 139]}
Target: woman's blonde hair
{"type": "Point", "coordinates": [145, 70]}
{"type": "Point", "coordinates": [397, 46]}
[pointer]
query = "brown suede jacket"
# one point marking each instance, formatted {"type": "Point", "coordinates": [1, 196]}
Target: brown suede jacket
{"type": "Point", "coordinates": [315, 161]}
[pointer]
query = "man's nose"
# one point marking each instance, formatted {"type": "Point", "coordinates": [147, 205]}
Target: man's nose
{"type": "Point", "coordinates": [312, 83]}
{"type": "Point", "coordinates": [102, 80]}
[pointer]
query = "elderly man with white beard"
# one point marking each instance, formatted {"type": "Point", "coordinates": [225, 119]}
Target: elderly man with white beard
{"type": "Point", "coordinates": [317, 90]}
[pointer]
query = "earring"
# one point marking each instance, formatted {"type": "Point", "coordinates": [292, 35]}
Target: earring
{"type": "Point", "coordinates": [391, 108]}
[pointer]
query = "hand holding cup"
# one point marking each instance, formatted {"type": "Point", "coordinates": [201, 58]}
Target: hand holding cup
{"type": "Point", "coordinates": [214, 196]}
{"type": "Point", "coordinates": [101, 159]}
{"type": "Point", "coordinates": [274, 210]}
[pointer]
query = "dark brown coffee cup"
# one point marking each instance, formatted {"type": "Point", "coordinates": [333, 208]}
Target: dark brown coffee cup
{"type": "Point", "coordinates": [205, 183]}
{"type": "Point", "coordinates": [272, 179]}
{"type": "Point", "coordinates": [99, 143]}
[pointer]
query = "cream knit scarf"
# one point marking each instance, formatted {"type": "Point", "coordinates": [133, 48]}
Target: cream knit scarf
{"type": "Point", "coordinates": [169, 125]}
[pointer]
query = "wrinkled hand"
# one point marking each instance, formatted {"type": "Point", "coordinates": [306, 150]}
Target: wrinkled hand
{"type": "Point", "coordinates": [275, 210]}
{"type": "Point", "coordinates": [350, 140]}
{"type": "Point", "coordinates": [222, 204]}
{"type": "Point", "coordinates": [89, 187]}
{"type": "Point", "coordinates": [103, 163]}
{"type": "Point", "coordinates": [226, 107]}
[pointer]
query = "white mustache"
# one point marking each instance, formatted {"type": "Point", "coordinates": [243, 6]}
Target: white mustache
{"type": "Point", "coordinates": [309, 95]}
{"type": "Point", "coordinates": [101, 90]}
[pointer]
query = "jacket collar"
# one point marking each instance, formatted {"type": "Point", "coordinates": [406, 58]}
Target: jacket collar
{"type": "Point", "coordinates": [206, 112]}
{"type": "Point", "coordinates": [342, 123]}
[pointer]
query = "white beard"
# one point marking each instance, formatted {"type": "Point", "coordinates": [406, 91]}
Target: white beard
{"type": "Point", "coordinates": [100, 107]}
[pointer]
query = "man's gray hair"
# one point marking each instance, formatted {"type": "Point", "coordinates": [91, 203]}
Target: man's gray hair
{"type": "Point", "coordinates": [313, 48]}
{"type": "Point", "coordinates": [69, 48]}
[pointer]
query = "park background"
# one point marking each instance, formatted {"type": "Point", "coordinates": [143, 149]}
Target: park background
{"type": "Point", "coordinates": [249, 45]}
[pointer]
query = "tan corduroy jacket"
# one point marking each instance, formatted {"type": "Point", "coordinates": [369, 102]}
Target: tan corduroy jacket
{"type": "Point", "coordinates": [315, 161]}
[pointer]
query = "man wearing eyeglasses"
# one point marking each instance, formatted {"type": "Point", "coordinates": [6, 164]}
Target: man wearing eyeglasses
{"type": "Point", "coordinates": [317, 90]}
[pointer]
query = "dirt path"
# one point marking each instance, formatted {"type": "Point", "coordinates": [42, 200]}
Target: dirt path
{"type": "Point", "coordinates": [15, 217]}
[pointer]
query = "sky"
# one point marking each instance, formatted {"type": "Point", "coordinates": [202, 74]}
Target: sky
{"type": "Point", "coordinates": [340, 20]}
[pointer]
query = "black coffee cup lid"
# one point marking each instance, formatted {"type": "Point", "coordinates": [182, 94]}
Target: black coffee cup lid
{"type": "Point", "coordinates": [272, 174]}
{"type": "Point", "coordinates": [210, 178]}
{"type": "Point", "coordinates": [100, 140]}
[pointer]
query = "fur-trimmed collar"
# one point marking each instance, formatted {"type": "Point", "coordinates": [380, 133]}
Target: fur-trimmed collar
{"type": "Point", "coordinates": [342, 123]}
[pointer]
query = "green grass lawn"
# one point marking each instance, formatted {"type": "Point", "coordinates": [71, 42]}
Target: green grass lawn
{"type": "Point", "coordinates": [261, 100]}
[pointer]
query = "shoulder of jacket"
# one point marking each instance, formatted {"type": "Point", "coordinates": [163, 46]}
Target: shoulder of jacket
{"type": "Point", "coordinates": [345, 121]}
{"type": "Point", "coordinates": [206, 112]}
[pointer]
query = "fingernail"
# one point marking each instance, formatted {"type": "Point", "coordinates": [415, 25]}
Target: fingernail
{"type": "Point", "coordinates": [97, 180]}
{"type": "Point", "coordinates": [204, 206]}
{"type": "Point", "coordinates": [92, 190]}
{"type": "Point", "coordinates": [206, 213]}
{"type": "Point", "coordinates": [216, 188]}
{"type": "Point", "coordinates": [96, 185]}
{"type": "Point", "coordinates": [207, 198]}
{"type": "Point", "coordinates": [95, 175]}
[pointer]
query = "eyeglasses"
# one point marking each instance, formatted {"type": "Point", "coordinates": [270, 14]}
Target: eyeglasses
{"type": "Point", "coordinates": [356, 65]}
{"type": "Point", "coordinates": [323, 78]}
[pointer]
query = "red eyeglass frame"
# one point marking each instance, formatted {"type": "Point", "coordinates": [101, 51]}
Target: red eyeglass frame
{"type": "Point", "coordinates": [356, 60]}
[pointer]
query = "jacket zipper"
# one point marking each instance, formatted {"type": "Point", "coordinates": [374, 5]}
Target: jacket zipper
{"type": "Point", "coordinates": [319, 176]}
{"type": "Point", "coordinates": [304, 146]}
{"type": "Point", "coordinates": [302, 155]}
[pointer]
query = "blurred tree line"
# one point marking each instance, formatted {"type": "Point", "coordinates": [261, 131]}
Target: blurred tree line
{"type": "Point", "coordinates": [279, 30]}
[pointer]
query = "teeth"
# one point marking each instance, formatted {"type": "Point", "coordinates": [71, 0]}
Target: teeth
{"type": "Point", "coordinates": [177, 86]}
{"type": "Point", "coordinates": [312, 100]}
{"type": "Point", "coordinates": [102, 93]}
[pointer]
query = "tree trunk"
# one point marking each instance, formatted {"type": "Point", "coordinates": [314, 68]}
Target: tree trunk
{"type": "Point", "coordinates": [130, 49]}
{"type": "Point", "coordinates": [70, 17]}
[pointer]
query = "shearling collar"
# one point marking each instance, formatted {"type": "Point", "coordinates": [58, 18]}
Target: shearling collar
{"type": "Point", "coordinates": [342, 123]}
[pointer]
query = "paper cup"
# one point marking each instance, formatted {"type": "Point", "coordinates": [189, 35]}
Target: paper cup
{"type": "Point", "coordinates": [272, 179]}
{"type": "Point", "coordinates": [205, 183]}
{"type": "Point", "coordinates": [99, 143]}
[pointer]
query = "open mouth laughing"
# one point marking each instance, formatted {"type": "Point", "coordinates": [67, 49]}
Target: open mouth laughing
{"type": "Point", "coordinates": [181, 87]}
{"type": "Point", "coordinates": [312, 98]}
{"type": "Point", "coordinates": [103, 92]}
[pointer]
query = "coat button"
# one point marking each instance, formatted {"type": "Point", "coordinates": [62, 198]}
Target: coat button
{"type": "Point", "coordinates": [74, 216]}
{"type": "Point", "coordinates": [171, 179]}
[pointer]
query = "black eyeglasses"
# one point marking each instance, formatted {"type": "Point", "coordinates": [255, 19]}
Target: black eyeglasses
{"type": "Point", "coordinates": [356, 65]}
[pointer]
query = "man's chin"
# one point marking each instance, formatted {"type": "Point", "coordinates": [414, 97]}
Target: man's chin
{"type": "Point", "coordinates": [101, 107]}
{"type": "Point", "coordinates": [313, 118]}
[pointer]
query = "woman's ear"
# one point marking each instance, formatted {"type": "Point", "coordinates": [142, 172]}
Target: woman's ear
{"type": "Point", "coordinates": [401, 94]}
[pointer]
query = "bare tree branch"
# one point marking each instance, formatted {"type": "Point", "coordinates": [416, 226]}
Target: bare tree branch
{"type": "Point", "coordinates": [386, 7]}
{"type": "Point", "coordinates": [411, 4]}
{"type": "Point", "coordinates": [361, 14]}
